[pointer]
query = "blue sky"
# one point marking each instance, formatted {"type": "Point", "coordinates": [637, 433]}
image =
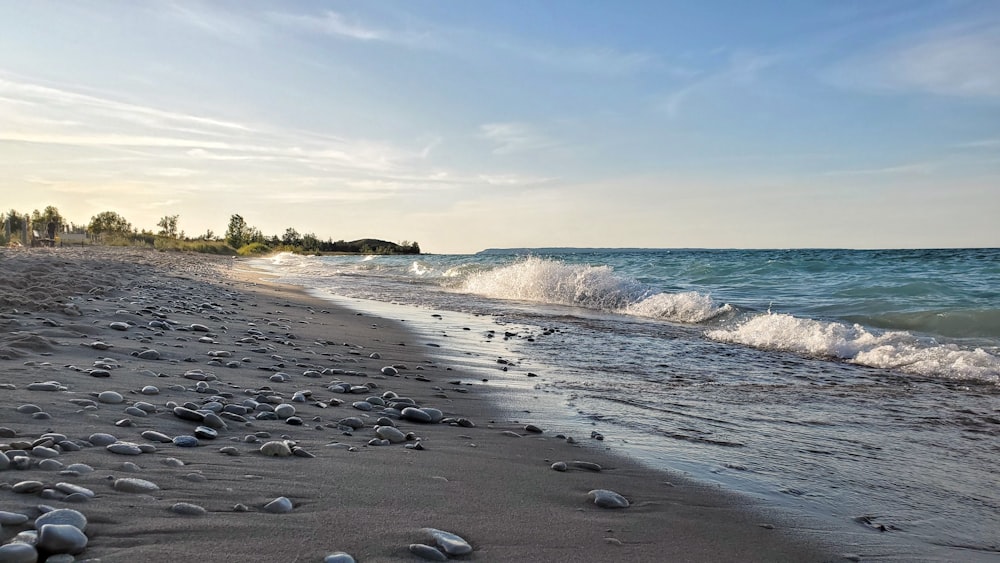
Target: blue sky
{"type": "Point", "coordinates": [467, 125]}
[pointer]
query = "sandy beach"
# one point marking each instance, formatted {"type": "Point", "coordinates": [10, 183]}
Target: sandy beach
{"type": "Point", "coordinates": [174, 400]}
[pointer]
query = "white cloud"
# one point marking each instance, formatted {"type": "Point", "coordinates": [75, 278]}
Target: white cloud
{"type": "Point", "coordinates": [959, 61]}
{"type": "Point", "coordinates": [514, 137]}
{"type": "Point", "coordinates": [740, 69]}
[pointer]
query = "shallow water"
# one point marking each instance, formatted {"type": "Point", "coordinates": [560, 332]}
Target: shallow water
{"type": "Point", "coordinates": [752, 370]}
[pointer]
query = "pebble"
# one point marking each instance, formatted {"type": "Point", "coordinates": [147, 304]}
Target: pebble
{"type": "Point", "coordinates": [27, 487]}
{"type": "Point", "coordinates": [150, 390]}
{"type": "Point", "coordinates": [60, 538]}
{"type": "Point", "coordinates": [71, 489]}
{"type": "Point", "coordinates": [185, 441]}
{"type": "Point", "coordinates": [119, 326]}
{"type": "Point", "coordinates": [362, 405]}
{"type": "Point", "coordinates": [110, 397]}
{"type": "Point", "coordinates": [205, 433]}
{"type": "Point", "coordinates": [414, 414]}
{"type": "Point", "coordinates": [450, 543]}
{"type": "Point", "coordinates": [65, 516]}
{"type": "Point", "coordinates": [276, 449]}
{"type": "Point", "coordinates": [148, 355]}
{"type": "Point", "coordinates": [80, 468]}
{"type": "Point", "coordinates": [46, 386]}
{"type": "Point", "coordinates": [29, 409]}
{"type": "Point", "coordinates": [608, 499]}
{"type": "Point", "coordinates": [188, 509]}
{"type": "Point", "coordinates": [18, 553]}
{"type": "Point", "coordinates": [338, 557]}
{"type": "Point", "coordinates": [133, 485]}
{"type": "Point", "coordinates": [44, 452]}
{"type": "Point", "coordinates": [390, 371]}
{"type": "Point", "coordinates": [428, 552]}
{"type": "Point", "coordinates": [124, 448]}
{"type": "Point", "coordinates": [280, 505]}
{"type": "Point", "coordinates": [560, 466]}
{"type": "Point", "coordinates": [12, 519]}
{"type": "Point", "coordinates": [394, 435]}
{"type": "Point", "coordinates": [284, 410]}
{"type": "Point", "coordinates": [154, 436]}
{"type": "Point", "coordinates": [588, 465]}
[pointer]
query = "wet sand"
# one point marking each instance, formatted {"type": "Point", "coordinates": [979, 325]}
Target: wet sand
{"type": "Point", "coordinates": [223, 339]}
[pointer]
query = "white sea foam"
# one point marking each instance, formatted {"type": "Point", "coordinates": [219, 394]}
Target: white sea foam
{"type": "Point", "coordinates": [592, 287]}
{"type": "Point", "coordinates": [896, 350]}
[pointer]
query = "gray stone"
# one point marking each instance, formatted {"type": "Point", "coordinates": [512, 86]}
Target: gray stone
{"type": "Point", "coordinates": [70, 489]}
{"type": "Point", "coordinates": [276, 449]}
{"type": "Point", "coordinates": [150, 390]}
{"type": "Point", "coordinates": [394, 435]}
{"type": "Point", "coordinates": [133, 485]}
{"type": "Point", "coordinates": [188, 509]}
{"type": "Point", "coordinates": [560, 466]}
{"type": "Point", "coordinates": [608, 499]}
{"type": "Point", "coordinates": [338, 557]}
{"type": "Point", "coordinates": [110, 397]}
{"type": "Point", "coordinates": [427, 552]}
{"type": "Point", "coordinates": [80, 468]}
{"type": "Point", "coordinates": [12, 519]}
{"type": "Point", "coordinates": [450, 543]}
{"type": "Point", "coordinates": [65, 516]}
{"type": "Point", "coordinates": [61, 538]}
{"type": "Point", "coordinates": [27, 487]}
{"type": "Point", "coordinates": [280, 505]}
{"type": "Point", "coordinates": [43, 452]}
{"type": "Point", "coordinates": [124, 448]}
{"type": "Point", "coordinates": [101, 439]}
{"type": "Point", "coordinates": [18, 553]}
{"type": "Point", "coordinates": [414, 414]}
{"type": "Point", "coordinates": [29, 409]}
{"type": "Point", "coordinates": [185, 441]}
{"type": "Point", "coordinates": [154, 436]}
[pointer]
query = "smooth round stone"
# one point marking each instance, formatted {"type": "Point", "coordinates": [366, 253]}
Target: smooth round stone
{"type": "Point", "coordinates": [80, 468]}
{"type": "Point", "coordinates": [188, 414]}
{"type": "Point", "coordinates": [60, 558]}
{"type": "Point", "coordinates": [205, 433]}
{"type": "Point", "coordinates": [119, 325]}
{"type": "Point", "coordinates": [276, 449]}
{"type": "Point", "coordinates": [27, 487]}
{"type": "Point", "coordinates": [61, 538]}
{"type": "Point", "coordinates": [44, 452]}
{"type": "Point", "coordinates": [145, 407]}
{"type": "Point", "coordinates": [110, 397]}
{"type": "Point", "coordinates": [99, 373]}
{"type": "Point", "coordinates": [45, 386]}
{"type": "Point", "coordinates": [71, 489]}
{"type": "Point", "coordinates": [560, 466]}
{"type": "Point", "coordinates": [393, 434]}
{"type": "Point", "coordinates": [390, 371]}
{"type": "Point", "coordinates": [50, 465]}
{"type": "Point", "coordinates": [12, 519]}
{"type": "Point", "coordinates": [4, 461]}
{"type": "Point", "coordinates": [338, 557]}
{"type": "Point", "coordinates": [172, 462]}
{"type": "Point", "coordinates": [427, 552]}
{"type": "Point", "coordinates": [588, 465]}
{"type": "Point", "coordinates": [450, 543]}
{"type": "Point", "coordinates": [280, 505]}
{"type": "Point", "coordinates": [185, 441]}
{"type": "Point", "coordinates": [362, 406]}
{"type": "Point", "coordinates": [66, 516]}
{"type": "Point", "coordinates": [29, 409]}
{"type": "Point", "coordinates": [148, 355]}
{"type": "Point", "coordinates": [18, 553]}
{"type": "Point", "coordinates": [351, 422]}
{"type": "Point", "coordinates": [154, 436]}
{"type": "Point", "coordinates": [435, 414]}
{"type": "Point", "coordinates": [377, 401]}
{"type": "Point", "coordinates": [41, 416]}
{"type": "Point", "coordinates": [198, 327]}
{"type": "Point", "coordinates": [284, 410]}
{"type": "Point", "coordinates": [213, 420]}
{"type": "Point", "coordinates": [414, 414]}
{"type": "Point", "coordinates": [294, 421]}
{"type": "Point", "coordinates": [130, 467]}
{"type": "Point", "coordinates": [229, 450]}
{"type": "Point", "coordinates": [102, 439]}
{"type": "Point", "coordinates": [608, 499]}
{"type": "Point", "coordinates": [135, 411]}
{"type": "Point", "coordinates": [124, 448]}
{"type": "Point", "coordinates": [188, 509]}
{"type": "Point", "coordinates": [133, 485]}
{"type": "Point", "coordinates": [150, 390]}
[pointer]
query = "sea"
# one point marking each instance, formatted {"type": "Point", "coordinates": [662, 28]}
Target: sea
{"type": "Point", "coordinates": [855, 391]}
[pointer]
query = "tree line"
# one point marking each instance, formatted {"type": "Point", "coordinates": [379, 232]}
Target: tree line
{"type": "Point", "coordinates": [108, 227]}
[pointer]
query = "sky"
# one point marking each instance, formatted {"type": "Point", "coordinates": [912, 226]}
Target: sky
{"type": "Point", "coordinates": [469, 125]}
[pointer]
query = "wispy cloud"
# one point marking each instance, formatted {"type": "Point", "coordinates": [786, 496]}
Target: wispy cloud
{"type": "Point", "coordinates": [339, 25]}
{"type": "Point", "coordinates": [594, 60]}
{"type": "Point", "coordinates": [514, 137]}
{"type": "Point", "coordinates": [232, 26]}
{"type": "Point", "coordinates": [740, 69]}
{"type": "Point", "coordinates": [920, 168]}
{"type": "Point", "coordinates": [960, 61]}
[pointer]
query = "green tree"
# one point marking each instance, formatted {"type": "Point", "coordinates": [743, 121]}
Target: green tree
{"type": "Point", "coordinates": [291, 237]}
{"type": "Point", "coordinates": [240, 234]}
{"type": "Point", "coordinates": [310, 243]}
{"type": "Point", "coordinates": [47, 222]}
{"type": "Point", "coordinates": [168, 225]}
{"type": "Point", "coordinates": [108, 222]}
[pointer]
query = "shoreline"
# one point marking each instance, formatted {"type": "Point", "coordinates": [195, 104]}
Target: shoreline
{"type": "Point", "coordinates": [491, 484]}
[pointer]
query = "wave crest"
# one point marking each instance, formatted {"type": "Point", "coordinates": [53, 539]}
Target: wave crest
{"type": "Point", "coordinates": [896, 350]}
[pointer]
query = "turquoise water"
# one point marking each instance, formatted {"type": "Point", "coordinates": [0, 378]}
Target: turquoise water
{"type": "Point", "coordinates": [858, 387]}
